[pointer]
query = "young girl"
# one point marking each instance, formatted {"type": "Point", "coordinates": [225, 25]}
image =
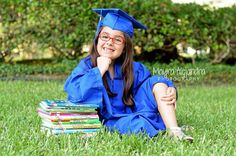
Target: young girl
{"type": "Point", "coordinates": [131, 100]}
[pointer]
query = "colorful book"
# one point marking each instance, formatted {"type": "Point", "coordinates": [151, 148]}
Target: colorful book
{"type": "Point", "coordinates": [83, 121]}
{"type": "Point", "coordinates": [60, 117]}
{"type": "Point", "coordinates": [63, 103]}
{"type": "Point", "coordinates": [66, 113]}
{"type": "Point", "coordinates": [64, 117]}
{"type": "Point", "coordinates": [69, 131]}
{"type": "Point", "coordinates": [93, 121]}
{"type": "Point", "coordinates": [66, 109]}
{"type": "Point", "coordinates": [70, 126]}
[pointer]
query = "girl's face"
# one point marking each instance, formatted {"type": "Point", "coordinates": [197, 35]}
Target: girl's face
{"type": "Point", "coordinates": [110, 43]}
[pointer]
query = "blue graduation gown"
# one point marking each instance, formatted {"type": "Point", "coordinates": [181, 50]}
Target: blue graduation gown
{"type": "Point", "coordinates": [85, 85]}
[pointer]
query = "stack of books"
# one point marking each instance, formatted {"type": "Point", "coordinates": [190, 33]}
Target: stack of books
{"type": "Point", "coordinates": [64, 117]}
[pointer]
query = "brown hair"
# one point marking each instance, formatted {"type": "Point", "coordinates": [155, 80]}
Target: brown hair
{"type": "Point", "coordinates": [127, 69]}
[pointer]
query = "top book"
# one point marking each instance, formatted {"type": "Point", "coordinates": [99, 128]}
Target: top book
{"type": "Point", "coordinates": [64, 103]}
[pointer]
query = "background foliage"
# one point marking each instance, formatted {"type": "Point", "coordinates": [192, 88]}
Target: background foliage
{"type": "Point", "coordinates": [65, 26]}
{"type": "Point", "coordinates": [181, 74]}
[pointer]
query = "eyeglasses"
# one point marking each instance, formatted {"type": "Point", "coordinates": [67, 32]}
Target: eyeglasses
{"type": "Point", "coordinates": [117, 39]}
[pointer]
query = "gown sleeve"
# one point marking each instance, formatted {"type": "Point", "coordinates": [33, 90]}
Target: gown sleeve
{"type": "Point", "coordinates": [84, 85]}
{"type": "Point", "coordinates": [141, 74]}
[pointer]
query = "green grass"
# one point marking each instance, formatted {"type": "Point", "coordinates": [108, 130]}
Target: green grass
{"type": "Point", "coordinates": [210, 110]}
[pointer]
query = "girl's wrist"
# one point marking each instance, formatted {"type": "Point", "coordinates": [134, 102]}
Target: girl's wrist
{"type": "Point", "coordinates": [102, 71]}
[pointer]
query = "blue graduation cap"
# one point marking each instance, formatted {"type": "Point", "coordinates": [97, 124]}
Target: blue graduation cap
{"type": "Point", "coordinates": [117, 19]}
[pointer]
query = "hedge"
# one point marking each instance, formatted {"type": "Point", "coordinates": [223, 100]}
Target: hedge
{"type": "Point", "coordinates": [199, 73]}
{"type": "Point", "coordinates": [65, 26]}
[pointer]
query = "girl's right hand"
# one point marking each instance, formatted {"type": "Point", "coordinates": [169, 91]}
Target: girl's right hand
{"type": "Point", "coordinates": [103, 64]}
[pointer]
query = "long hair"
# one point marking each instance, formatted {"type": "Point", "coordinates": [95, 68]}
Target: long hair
{"type": "Point", "coordinates": [127, 69]}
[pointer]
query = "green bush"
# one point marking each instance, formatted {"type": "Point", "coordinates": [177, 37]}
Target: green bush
{"type": "Point", "coordinates": [190, 24]}
{"type": "Point", "coordinates": [65, 26]}
{"type": "Point", "coordinates": [14, 70]}
{"type": "Point", "coordinates": [199, 73]}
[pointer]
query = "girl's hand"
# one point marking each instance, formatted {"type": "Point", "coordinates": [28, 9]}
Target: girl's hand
{"type": "Point", "coordinates": [103, 64]}
{"type": "Point", "coordinates": [170, 97]}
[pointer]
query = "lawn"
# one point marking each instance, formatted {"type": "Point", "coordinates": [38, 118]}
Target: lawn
{"type": "Point", "coordinates": [210, 110]}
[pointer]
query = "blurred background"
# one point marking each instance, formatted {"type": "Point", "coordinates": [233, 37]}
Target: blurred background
{"type": "Point", "coordinates": [189, 41]}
